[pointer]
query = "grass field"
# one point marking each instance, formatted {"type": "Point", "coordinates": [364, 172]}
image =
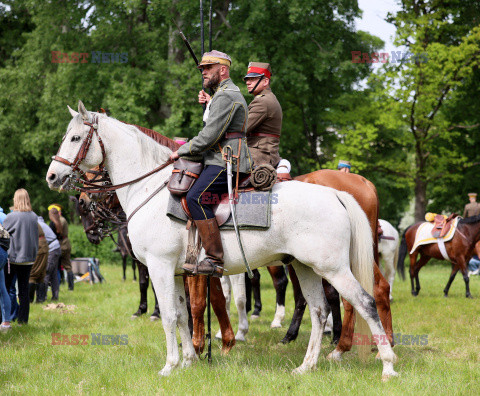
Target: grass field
{"type": "Point", "coordinates": [448, 365]}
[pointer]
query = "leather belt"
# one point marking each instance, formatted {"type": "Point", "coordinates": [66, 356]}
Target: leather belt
{"type": "Point", "coordinates": [264, 134]}
{"type": "Point", "coordinates": [234, 135]}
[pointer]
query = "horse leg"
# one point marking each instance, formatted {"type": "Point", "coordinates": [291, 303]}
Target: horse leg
{"type": "Point", "coordinates": [124, 265]}
{"type": "Point", "coordinates": [220, 308]}
{"type": "Point", "coordinates": [197, 286]}
{"type": "Point", "coordinates": [163, 280]}
{"type": "Point", "coordinates": [226, 284]}
{"type": "Point", "coordinates": [143, 283]}
{"type": "Point", "coordinates": [238, 288]}
{"type": "Point", "coordinates": [311, 284]}
{"type": "Point", "coordinates": [189, 308]}
{"type": "Point", "coordinates": [364, 304]}
{"type": "Point", "coordinates": [188, 352]}
{"type": "Point", "coordinates": [466, 279]}
{"type": "Point", "coordinates": [381, 294]}
{"type": "Point", "coordinates": [133, 268]}
{"type": "Point", "coordinates": [415, 270]}
{"type": "Point", "coordinates": [248, 292]}
{"type": "Point", "coordinates": [389, 260]}
{"type": "Point", "coordinates": [280, 282]}
{"type": "Point", "coordinates": [300, 305]}
{"type": "Point", "coordinates": [333, 299]}
{"type": "Point", "coordinates": [450, 280]}
{"type": "Point", "coordinates": [156, 312]}
{"type": "Point", "coordinates": [257, 308]}
{"type": "Point", "coordinates": [413, 260]}
{"type": "Point", "coordinates": [381, 291]}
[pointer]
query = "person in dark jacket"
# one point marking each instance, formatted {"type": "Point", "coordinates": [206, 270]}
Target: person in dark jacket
{"type": "Point", "coordinates": [23, 228]}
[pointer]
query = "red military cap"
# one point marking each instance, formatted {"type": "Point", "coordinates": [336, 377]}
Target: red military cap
{"type": "Point", "coordinates": [257, 69]}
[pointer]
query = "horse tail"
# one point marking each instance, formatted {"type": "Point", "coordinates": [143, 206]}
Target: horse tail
{"type": "Point", "coordinates": [361, 258]}
{"type": "Point", "coordinates": [402, 253]}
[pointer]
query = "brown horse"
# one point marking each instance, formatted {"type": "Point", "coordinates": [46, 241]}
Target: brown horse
{"type": "Point", "coordinates": [460, 250]}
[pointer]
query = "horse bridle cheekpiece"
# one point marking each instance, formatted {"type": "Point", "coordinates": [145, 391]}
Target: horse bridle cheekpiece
{"type": "Point", "coordinates": [82, 152]}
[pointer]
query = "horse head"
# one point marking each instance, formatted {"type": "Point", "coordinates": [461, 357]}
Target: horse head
{"type": "Point", "coordinates": [80, 148]}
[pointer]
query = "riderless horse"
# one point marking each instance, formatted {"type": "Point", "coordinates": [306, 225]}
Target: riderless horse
{"type": "Point", "coordinates": [388, 245]}
{"type": "Point", "coordinates": [342, 246]}
{"type": "Point", "coordinates": [459, 251]}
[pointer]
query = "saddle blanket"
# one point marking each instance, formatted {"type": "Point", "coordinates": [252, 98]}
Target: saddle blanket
{"type": "Point", "coordinates": [424, 234]}
{"type": "Point", "coordinates": [254, 210]}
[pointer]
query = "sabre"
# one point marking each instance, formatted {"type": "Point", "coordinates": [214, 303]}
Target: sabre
{"type": "Point", "coordinates": [228, 158]}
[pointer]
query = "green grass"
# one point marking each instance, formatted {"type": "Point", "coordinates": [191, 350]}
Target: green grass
{"type": "Point", "coordinates": [449, 364]}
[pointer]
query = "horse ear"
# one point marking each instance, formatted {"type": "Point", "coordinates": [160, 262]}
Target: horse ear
{"type": "Point", "coordinates": [72, 112]}
{"type": "Point", "coordinates": [83, 111]}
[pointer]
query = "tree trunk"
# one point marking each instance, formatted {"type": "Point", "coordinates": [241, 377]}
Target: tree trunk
{"type": "Point", "coordinates": [420, 197]}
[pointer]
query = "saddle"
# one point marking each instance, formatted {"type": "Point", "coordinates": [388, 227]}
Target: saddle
{"type": "Point", "coordinates": [442, 224]}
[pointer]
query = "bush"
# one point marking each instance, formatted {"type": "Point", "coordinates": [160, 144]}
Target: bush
{"type": "Point", "coordinates": [81, 247]}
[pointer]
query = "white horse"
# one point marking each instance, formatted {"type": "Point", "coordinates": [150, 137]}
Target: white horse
{"type": "Point", "coordinates": [324, 230]}
{"type": "Point", "coordinates": [388, 251]}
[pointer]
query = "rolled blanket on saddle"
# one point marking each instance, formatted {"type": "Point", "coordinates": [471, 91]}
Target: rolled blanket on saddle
{"type": "Point", "coordinates": [263, 177]}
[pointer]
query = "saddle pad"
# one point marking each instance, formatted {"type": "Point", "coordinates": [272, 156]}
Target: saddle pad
{"type": "Point", "coordinates": [254, 210]}
{"type": "Point", "coordinates": [424, 234]}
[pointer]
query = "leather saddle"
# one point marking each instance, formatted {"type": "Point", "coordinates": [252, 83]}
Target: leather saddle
{"type": "Point", "coordinates": [442, 224]}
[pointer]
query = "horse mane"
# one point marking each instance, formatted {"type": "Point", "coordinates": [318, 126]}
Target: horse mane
{"type": "Point", "coordinates": [159, 138]}
{"type": "Point", "coordinates": [470, 220]}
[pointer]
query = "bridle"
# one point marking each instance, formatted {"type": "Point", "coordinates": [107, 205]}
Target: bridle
{"type": "Point", "coordinates": [91, 186]}
{"type": "Point", "coordinates": [83, 150]}
{"type": "Point", "coordinates": [101, 177]}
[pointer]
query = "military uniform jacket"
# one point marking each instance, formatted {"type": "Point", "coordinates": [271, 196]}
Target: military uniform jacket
{"type": "Point", "coordinates": [228, 114]}
{"type": "Point", "coordinates": [471, 209]}
{"type": "Point", "coordinates": [264, 116]}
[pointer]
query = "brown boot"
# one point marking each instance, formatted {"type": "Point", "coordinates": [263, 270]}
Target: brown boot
{"type": "Point", "coordinates": [213, 263]}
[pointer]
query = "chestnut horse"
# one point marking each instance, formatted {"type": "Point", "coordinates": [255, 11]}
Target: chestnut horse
{"type": "Point", "coordinates": [460, 250]}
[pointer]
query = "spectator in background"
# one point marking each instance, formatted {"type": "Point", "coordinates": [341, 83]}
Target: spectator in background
{"type": "Point", "coordinates": [39, 268]}
{"type": "Point", "coordinates": [60, 226]}
{"type": "Point", "coordinates": [344, 166]}
{"type": "Point", "coordinates": [5, 306]}
{"type": "Point", "coordinates": [23, 228]}
{"type": "Point", "coordinates": [54, 253]}
{"type": "Point", "coordinates": [2, 215]}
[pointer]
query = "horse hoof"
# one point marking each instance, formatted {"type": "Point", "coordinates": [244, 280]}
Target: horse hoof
{"type": "Point", "coordinates": [300, 370]}
{"type": "Point", "coordinates": [275, 325]}
{"type": "Point", "coordinates": [335, 356]}
{"type": "Point", "coordinates": [445, 295]}
{"type": "Point", "coordinates": [253, 317]}
{"type": "Point", "coordinates": [218, 336]}
{"type": "Point", "coordinates": [469, 296]}
{"type": "Point", "coordinates": [387, 377]}
{"type": "Point", "coordinates": [154, 318]}
{"type": "Point", "coordinates": [240, 337]}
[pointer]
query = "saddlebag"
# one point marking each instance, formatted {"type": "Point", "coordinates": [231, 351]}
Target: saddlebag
{"type": "Point", "coordinates": [184, 174]}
